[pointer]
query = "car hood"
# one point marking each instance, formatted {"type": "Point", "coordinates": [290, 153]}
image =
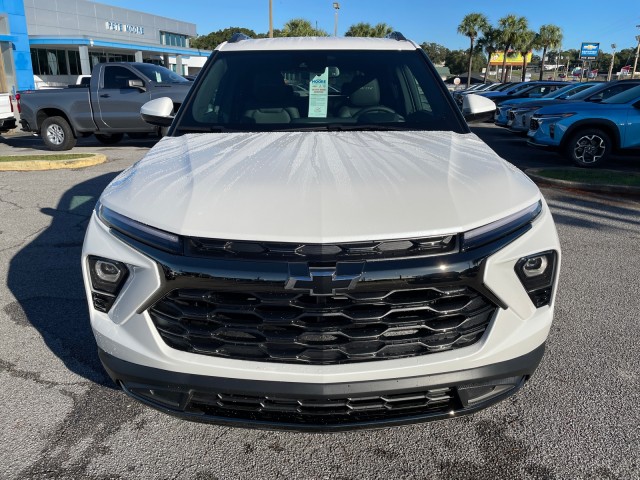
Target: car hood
{"type": "Point", "coordinates": [320, 186]}
{"type": "Point", "coordinates": [577, 106]}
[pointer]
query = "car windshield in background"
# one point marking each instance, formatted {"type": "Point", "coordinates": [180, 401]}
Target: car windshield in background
{"type": "Point", "coordinates": [319, 90]}
{"type": "Point", "coordinates": [624, 97]}
{"type": "Point", "coordinates": [159, 74]}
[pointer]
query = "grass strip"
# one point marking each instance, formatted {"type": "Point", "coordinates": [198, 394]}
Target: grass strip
{"type": "Point", "coordinates": [53, 157]}
{"type": "Point", "coordinates": [594, 177]}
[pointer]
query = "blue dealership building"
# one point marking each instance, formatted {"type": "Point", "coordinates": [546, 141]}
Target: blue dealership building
{"type": "Point", "coordinates": [45, 43]}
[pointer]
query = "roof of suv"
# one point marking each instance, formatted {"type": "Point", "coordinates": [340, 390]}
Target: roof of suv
{"type": "Point", "coordinates": [318, 43]}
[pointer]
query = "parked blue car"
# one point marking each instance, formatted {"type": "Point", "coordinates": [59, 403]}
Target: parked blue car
{"type": "Point", "coordinates": [502, 111]}
{"type": "Point", "coordinates": [587, 133]}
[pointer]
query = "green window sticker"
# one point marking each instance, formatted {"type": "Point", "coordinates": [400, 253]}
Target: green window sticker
{"type": "Point", "coordinates": [319, 95]}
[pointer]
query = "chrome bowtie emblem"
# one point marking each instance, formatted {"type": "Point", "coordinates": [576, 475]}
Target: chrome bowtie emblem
{"type": "Point", "coordinates": [324, 280]}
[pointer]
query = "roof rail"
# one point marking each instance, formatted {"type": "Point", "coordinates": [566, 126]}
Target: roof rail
{"type": "Point", "coordinates": [238, 37]}
{"type": "Point", "coordinates": [395, 36]}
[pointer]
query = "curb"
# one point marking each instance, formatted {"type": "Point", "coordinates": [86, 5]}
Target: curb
{"type": "Point", "coordinates": [35, 165]}
{"type": "Point", "coordinates": [587, 187]}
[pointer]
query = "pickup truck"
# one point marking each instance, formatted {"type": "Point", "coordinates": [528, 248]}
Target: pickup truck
{"type": "Point", "coordinates": [109, 108]}
{"type": "Point", "coordinates": [7, 118]}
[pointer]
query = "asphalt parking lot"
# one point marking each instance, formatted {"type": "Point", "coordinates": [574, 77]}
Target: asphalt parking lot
{"type": "Point", "coordinates": [61, 417]}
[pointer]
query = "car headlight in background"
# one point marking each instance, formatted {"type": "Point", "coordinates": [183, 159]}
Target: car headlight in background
{"type": "Point", "coordinates": [552, 117]}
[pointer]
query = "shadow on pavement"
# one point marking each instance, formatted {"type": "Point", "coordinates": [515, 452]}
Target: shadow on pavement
{"type": "Point", "coordinates": [46, 279]}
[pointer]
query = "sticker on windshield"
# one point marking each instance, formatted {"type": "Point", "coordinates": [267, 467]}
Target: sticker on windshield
{"type": "Point", "coordinates": [319, 95]}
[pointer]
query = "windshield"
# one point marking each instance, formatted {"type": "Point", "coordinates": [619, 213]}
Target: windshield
{"type": "Point", "coordinates": [588, 92]}
{"type": "Point", "coordinates": [320, 90]}
{"type": "Point", "coordinates": [159, 74]}
{"type": "Point", "coordinates": [517, 88]}
{"type": "Point", "coordinates": [625, 97]}
{"type": "Point", "coordinates": [564, 92]}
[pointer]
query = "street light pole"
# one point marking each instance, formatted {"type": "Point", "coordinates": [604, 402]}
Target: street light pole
{"type": "Point", "coordinates": [336, 6]}
{"type": "Point", "coordinates": [270, 18]}
{"type": "Point", "coordinates": [613, 58]}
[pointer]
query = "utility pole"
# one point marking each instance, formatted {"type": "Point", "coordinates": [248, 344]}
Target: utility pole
{"type": "Point", "coordinates": [336, 7]}
{"type": "Point", "coordinates": [635, 63]}
{"type": "Point", "coordinates": [270, 18]}
{"type": "Point", "coordinates": [613, 58]}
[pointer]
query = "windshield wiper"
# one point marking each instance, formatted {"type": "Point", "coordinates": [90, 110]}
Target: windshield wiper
{"type": "Point", "coordinates": [205, 129]}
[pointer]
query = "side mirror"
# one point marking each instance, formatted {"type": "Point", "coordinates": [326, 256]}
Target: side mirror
{"type": "Point", "coordinates": [137, 83]}
{"type": "Point", "coordinates": [477, 108]}
{"type": "Point", "coordinates": [158, 111]}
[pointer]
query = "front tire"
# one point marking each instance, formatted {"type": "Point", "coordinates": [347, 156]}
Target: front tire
{"type": "Point", "coordinates": [57, 134]}
{"type": "Point", "coordinates": [109, 139]}
{"type": "Point", "coordinates": [589, 148]}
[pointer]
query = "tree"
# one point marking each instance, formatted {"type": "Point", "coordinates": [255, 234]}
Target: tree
{"type": "Point", "coordinates": [470, 26]}
{"type": "Point", "coordinates": [366, 30]}
{"type": "Point", "coordinates": [527, 41]}
{"type": "Point", "coordinates": [512, 28]}
{"type": "Point", "coordinates": [299, 27]}
{"type": "Point", "coordinates": [490, 42]}
{"type": "Point", "coordinates": [213, 39]}
{"type": "Point", "coordinates": [549, 38]}
{"type": "Point", "coordinates": [456, 60]}
{"type": "Point", "coordinates": [436, 52]}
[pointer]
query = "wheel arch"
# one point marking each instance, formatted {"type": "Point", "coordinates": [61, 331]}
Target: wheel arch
{"type": "Point", "coordinates": [606, 126]}
{"type": "Point", "coordinates": [45, 113]}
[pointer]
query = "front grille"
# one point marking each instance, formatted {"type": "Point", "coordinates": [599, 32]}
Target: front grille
{"type": "Point", "coordinates": [534, 125]}
{"type": "Point", "coordinates": [316, 411]}
{"type": "Point", "coordinates": [293, 327]}
{"type": "Point", "coordinates": [214, 248]}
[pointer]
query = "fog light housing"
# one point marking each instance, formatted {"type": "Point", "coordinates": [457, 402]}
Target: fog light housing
{"type": "Point", "coordinates": [107, 279]}
{"type": "Point", "coordinates": [537, 274]}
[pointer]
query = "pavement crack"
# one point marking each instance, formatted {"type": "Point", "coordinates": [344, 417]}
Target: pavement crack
{"type": "Point", "coordinates": [12, 370]}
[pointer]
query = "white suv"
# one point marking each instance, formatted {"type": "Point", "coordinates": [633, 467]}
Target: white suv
{"type": "Point", "coordinates": [342, 254]}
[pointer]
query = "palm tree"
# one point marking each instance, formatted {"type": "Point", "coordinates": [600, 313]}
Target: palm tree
{"type": "Point", "coordinates": [526, 43]}
{"type": "Point", "coordinates": [470, 26]}
{"type": "Point", "coordinates": [366, 30]}
{"type": "Point", "coordinates": [490, 43]}
{"type": "Point", "coordinates": [512, 28]}
{"type": "Point", "coordinates": [549, 38]}
{"type": "Point", "coordinates": [299, 27]}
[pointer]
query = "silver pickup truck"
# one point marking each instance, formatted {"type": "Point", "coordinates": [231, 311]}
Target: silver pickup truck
{"type": "Point", "coordinates": [108, 108]}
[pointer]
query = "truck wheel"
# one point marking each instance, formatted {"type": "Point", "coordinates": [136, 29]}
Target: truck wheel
{"type": "Point", "coordinates": [589, 148]}
{"type": "Point", "coordinates": [57, 134]}
{"type": "Point", "coordinates": [109, 139]}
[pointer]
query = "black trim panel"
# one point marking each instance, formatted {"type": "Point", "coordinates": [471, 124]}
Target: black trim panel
{"type": "Point", "coordinates": [135, 377]}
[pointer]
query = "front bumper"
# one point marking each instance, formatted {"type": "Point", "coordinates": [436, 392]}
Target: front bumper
{"type": "Point", "coordinates": [141, 361]}
{"type": "Point", "coordinates": [322, 407]}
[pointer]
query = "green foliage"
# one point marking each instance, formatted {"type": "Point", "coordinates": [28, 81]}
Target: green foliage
{"type": "Point", "coordinates": [436, 52]}
{"type": "Point", "coordinates": [513, 28]}
{"type": "Point", "coordinates": [549, 37]}
{"type": "Point", "coordinates": [458, 61]}
{"type": "Point", "coordinates": [213, 39]}
{"type": "Point", "coordinates": [299, 27]}
{"type": "Point", "coordinates": [366, 30]}
{"type": "Point", "coordinates": [470, 26]}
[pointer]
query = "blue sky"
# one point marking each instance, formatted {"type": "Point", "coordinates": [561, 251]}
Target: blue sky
{"type": "Point", "coordinates": [601, 21]}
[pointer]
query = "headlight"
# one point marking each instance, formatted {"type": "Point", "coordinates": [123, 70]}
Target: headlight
{"type": "Point", "coordinates": [154, 237]}
{"type": "Point", "coordinates": [553, 117]}
{"type": "Point", "coordinates": [525, 110]}
{"type": "Point", "coordinates": [500, 228]}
